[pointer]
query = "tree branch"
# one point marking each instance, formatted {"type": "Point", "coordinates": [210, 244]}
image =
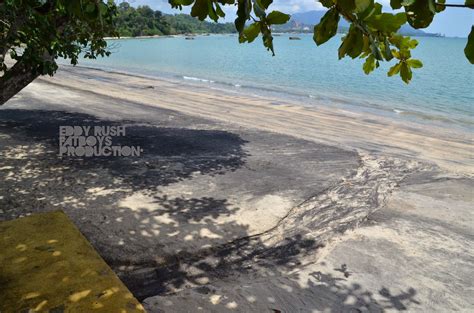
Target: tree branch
{"type": "Point", "coordinates": [17, 78]}
{"type": "Point", "coordinates": [455, 5]}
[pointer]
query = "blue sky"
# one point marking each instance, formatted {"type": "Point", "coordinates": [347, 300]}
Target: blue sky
{"type": "Point", "coordinates": [451, 22]}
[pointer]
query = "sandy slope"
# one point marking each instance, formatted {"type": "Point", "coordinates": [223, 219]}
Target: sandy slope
{"type": "Point", "coordinates": [415, 255]}
{"type": "Point", "coordinates": [447, 148]}
{"type": "Point", "coordinates": [246, 206]}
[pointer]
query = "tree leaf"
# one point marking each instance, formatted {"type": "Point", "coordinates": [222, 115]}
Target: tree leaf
{"type": "Point", "coordinates": [387, 22]}
{"type": "Point", "coordinates": [469, 50]}
{"type": "Point", "coordinates": [362, 5]}
{"type": "Point", "coordinates": [373, 9]}
{"type": "Point", "coordinates": [439, 5]}
{"type": "Point", "coordinates": [396, 4]}
{"type": "Point", "coordinates": [369, 64]}
{"type": "Point", "coordinates": [219, 10]}
{"type": "Point", "coordinates": [259, 11]}
{"type": "Point", "coordinates": [103, 9]}
{"type": "Point", "coordinates": [178, 4]}
{"type": "Point", "coordinates": [200, 9]}
{"type": "Point", "coordinates": [243, 14]}
{"type": "Point", "coordinates": [346, 5]}
{"type": "Point", "coordinates": [251, 32]}
{"type": "Point", "coordinates": [414, 63]}
{"type": "Point", "coordinates": [267, 37]}
{"type": "Point", "coordinates": [327, 3]}
{"type": "Point", "coordinates": [212, 12]}
{"type": "Point", "coordinates": [327, 27]}
{"type": "Point", "coordinates": [352, 44]}
{"type": "Point", "coordinates": [276, 17]}
{"type": "Point", "coordinates": [394, 69]}
{"type": "Point", "coordinates": [387, 53]}
{"type": "Point", "coordinates": [376, 51]}
{"type": "Point", "coordinates": [405, 72]}
{"type": "Point", "coordinates": [420, 13]}
{"type": "Point", "coordinates": [264, 3]}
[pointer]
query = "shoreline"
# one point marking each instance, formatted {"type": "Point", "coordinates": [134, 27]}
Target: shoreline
{"type": "Point", "coordinates": [416, 106]}
{"type": "Point", "coordinates": [450, 149]}
{"type": "Point", "coordinates": [167, 36]}
{"type": "Point", "coordinates": [415, 117]}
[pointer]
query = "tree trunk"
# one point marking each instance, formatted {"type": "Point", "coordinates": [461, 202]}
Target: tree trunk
{"type": "Point", "coordinates": [14, 80]}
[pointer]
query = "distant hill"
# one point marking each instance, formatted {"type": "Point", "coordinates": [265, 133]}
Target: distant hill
{"type": "Point", "coordinates": [308, 19]}
{"type": "Point", "coordinates": [312, 18]}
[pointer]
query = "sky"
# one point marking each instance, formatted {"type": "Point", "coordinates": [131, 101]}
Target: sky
{"type": "Point", "coordinates": [453, 22]}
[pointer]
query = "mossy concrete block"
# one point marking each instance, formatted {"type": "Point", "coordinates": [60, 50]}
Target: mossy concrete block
{"type": "Point", "coordinates": [47, 265]}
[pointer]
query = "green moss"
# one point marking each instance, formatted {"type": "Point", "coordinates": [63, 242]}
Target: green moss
{"type": "Point", "coordinates": [48, 266]}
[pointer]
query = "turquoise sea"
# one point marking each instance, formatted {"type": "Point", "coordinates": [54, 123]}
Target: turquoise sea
{"type": "Point", "coordinates": [442, 92]}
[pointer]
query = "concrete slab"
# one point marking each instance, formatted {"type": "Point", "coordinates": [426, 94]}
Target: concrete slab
{"type": "Point", "coordinates": [48, 266]}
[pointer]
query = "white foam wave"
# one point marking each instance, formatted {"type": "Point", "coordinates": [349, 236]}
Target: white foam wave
{"type": "Point", "coordinates": [198, 79]}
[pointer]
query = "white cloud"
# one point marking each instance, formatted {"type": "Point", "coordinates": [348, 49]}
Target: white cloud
{"type": "Point", "coordinates": [294, 6]}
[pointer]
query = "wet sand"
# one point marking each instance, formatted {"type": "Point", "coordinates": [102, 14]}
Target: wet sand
{"type": "Point", "coordinates": [447, 148]}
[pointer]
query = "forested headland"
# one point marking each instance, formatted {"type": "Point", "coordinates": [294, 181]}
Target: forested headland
{"type": "Point", "coordinates": [144, 21]}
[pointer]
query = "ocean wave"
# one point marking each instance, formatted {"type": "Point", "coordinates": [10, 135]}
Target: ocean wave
{"type": "Point", "coordinates": [313, 98]}
{"type": "Point", "coordinates": [203, 80]}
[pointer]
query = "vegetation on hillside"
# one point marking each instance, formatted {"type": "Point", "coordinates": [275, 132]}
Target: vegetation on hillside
{"type": "Point", "coordinates": [144, 21]}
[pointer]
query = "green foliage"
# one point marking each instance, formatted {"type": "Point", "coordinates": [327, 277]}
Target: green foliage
{"type": "Point", "coordinates": [184, 24]}
{"type": "Point", "coordinates": [370, 64]}
{"type": "Point", "coordinates": [276, 18]}
{"type": "Point", "coordinates": [469, 50]}
{"type": "Point", "coordinates": [420, 13]}
{"type": "Point", "coordinates": [37, 32]}
{"type": "Point", "coordinates": [386, 22]}
{"type": "Point", "coordinates": [143, 21]}
{"type": "Point", "coordinates": [327, 28]}
{"type": "Point", "coordinates": [250, 33]}
{"type": "Point", "coordinates": [353, 44]}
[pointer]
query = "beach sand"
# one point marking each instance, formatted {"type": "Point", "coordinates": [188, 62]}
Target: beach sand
{"type": "Point", "coordinates": [447, 148]}
{"type": "Point", "coordinates": [240, 205]}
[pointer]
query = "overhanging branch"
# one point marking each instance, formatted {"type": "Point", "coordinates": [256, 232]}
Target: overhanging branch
{"type": "Point", "coordinates": [448, 5]}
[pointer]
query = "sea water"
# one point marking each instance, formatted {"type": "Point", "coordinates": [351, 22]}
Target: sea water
{"type": "Point", "coordinates": [441, 92]}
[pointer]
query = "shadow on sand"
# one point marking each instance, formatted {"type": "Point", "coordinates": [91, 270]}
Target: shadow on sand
{"type": "Point", "coordinates": [156, 243]}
